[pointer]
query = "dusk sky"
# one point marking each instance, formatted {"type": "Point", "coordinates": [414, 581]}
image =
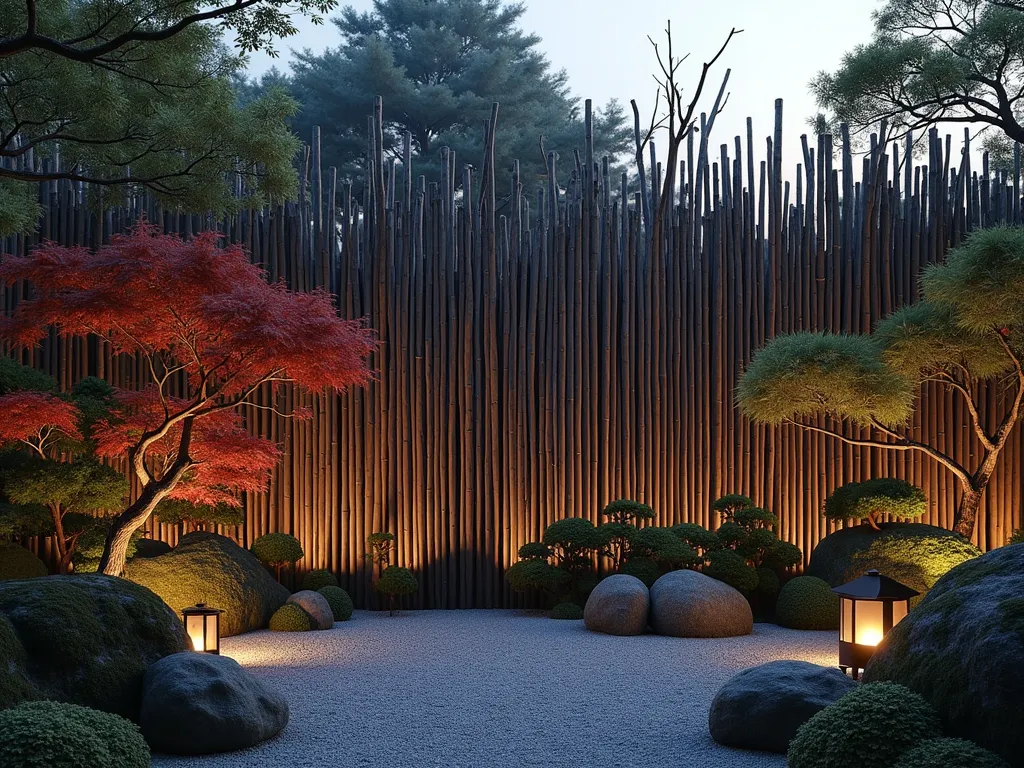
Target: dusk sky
{"type": "Point", "coordinates": [603, 46]}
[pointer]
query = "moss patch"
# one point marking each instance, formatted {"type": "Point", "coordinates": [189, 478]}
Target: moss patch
{"type": "Point", "coordinates": [88, 639]}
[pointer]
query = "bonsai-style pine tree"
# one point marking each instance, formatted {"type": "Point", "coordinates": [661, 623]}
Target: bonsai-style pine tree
{"type": "Point", "coordinates": [277, 550]}
{"type": "Point", "coordinates": [873, 498]}
{"type": "Point", "coordinates": [622, 515]}
{"type": "Point", "coordinates": [968, 328]}
{"type": "Point", "coordinates": [187, 309]}
{"type": "Point", "coordinates": [390, 580]}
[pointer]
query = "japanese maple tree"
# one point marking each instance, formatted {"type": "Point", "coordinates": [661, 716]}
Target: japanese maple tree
{"type": "Point", "coordinates": [192, 309]}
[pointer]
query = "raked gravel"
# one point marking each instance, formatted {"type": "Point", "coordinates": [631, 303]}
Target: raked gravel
{"type": "Point", "coordinates": [498, 689]}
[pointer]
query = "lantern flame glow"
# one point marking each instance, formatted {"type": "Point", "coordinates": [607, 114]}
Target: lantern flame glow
{"type": "Point", "coordinates": [869, 636]}
{"type": "Point", "coordinates": [196, 636]}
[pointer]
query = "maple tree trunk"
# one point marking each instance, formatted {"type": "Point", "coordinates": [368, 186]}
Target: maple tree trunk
{"type": "Point", "coordinates": [967, 512]}
{"type": "Point", "coordinates": [119, 535]}
{"type": "Point", "coordinates": [60, 543]}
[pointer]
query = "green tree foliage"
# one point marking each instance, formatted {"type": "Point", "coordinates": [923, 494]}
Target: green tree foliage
{"type": "Point", "coordinates": [277, 550]}
{"type": "Point", "coordinates": [43, 496]}
{"type": "Point", "coordinates": [622, 515]}
{"type": "Point", "coordinates": [138, 93]}
{"type": "Point", "coordinates": [967, 329]}
{"type": "Point", "coordinates": [382, 545]}
{"type": "Point", "coordinates": [394, 582]}
{"type": "Point", "coordinates": [1017, 537]}
{"type": "Point", "coordinates": [439, 66]}
{"type": "Point", "coordinates": [873, 498]}
{"type": "Point", "coordinates": [200, 516]}
{"type": "Point", "coordinates": [732, 568]}
{"type": "Point", "coordinates": [931, 61]}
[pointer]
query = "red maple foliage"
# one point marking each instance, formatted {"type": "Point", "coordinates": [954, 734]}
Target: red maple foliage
{"type": "Point", "coordinates": [187, 308]}
{"type": "Point", "coordinates": [37, 420]}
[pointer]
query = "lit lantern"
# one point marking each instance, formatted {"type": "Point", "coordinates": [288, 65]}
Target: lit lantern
{"type": "Point", "coordinates": [202, 625]}
{"type": "Point", "coordinates": [869, 607]}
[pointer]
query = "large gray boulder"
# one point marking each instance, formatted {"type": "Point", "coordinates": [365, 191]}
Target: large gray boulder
{"type": "Point", "coordinates": [198, 704]}
{"type": "Point", "coordinates": [762, 707]}
{"type": "Point", "coordinates": [689, 604]}
{"type": "Point", "coordinates": [316, 606]}
{"type": "Point", "coordinates": [962, 649]}
{"type": "Point", "coordinates": [618, 606]}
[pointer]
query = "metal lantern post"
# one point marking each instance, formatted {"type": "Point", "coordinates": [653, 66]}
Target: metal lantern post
{"type": "Point", "coordinates": [869, 607]}
{"type": "Point", "coordinates": [202, 625]}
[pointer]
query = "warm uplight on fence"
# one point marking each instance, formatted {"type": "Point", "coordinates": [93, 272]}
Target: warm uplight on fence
{"type": "Point", "coordinates": [870, 607]}
{"type": "Point", "coordinates": [202, 625]}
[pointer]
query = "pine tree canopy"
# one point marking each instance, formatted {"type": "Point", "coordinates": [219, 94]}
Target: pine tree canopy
{"type": "Point", "coordinates": [439, 65]}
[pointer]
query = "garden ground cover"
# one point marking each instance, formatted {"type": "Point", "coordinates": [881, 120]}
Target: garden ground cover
{"type": "Point", "coordinates": [498, 689]}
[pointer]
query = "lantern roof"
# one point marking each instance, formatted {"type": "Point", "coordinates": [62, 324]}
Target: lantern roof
{"type": "Point", "coordinates": [200, 609]}
{"type": "Point", "coordinates": [874, 586]}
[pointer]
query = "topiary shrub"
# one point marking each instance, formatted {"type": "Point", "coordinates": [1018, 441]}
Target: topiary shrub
{"type": "Point", "coordinates": [729, 567]}
{"type": "Point", "coordinates": [19, 563]}
{"type": "Point", "coordinates": [51, 734]}
{"type": "Point", "coordinates": [872, 499]}
{"type": "Point", "coordinates": [870, 727]}
{"type": "Point", "coordinates": [807, 602]}
{"type": "Point", "coordinates": [914, 554]}
{"type": "Point", "coordinates": [88, 639]}
{"type": "Point", "coordinates": [339, 600]}
{"type": "Point", "coordinates": [212, 569]}
{"type": "Point", "coordinates": [536, 574]}
{"type": "Point", "coordinates": [623, 516]}
{"type": "Point", "coordinates": [290, 618]}
{"type": "Point", "coordinates": [566, 611]}
{"type": "Point", "coordinates": [949, 753]}
{"type": "Point", "coordinates": [318, 578]}
{"type": "Point", "coordinates": [276, 550]}
{"type": "Point", "coordinates": [394, 582]}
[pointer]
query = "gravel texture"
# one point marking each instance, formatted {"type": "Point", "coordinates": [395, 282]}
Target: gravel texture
{"type": "Point", "coordinates": [498, 689]}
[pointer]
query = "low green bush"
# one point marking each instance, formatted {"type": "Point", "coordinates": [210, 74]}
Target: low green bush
{"type": "Point", "coordinates": [767, 581]}
{"type": "Point", "coordinates": [568, 611]}
{"type": "Point", "coordinates": [318, 578]}
{"type": "Point", "coordinates": [870, 727]}
{"type": "Point", "coordinates": [535, 573]}
{"type": "Point", "coordinates": [19, 563]}
{"type": "Point", "coordinates": [643, 568]}
{"type": "Point", "coordinates": [725, 565]}
{"type": "Point", "coordinates": [339, 600]}
{"type": "Point", "coordinates": [290, 618]}
{"type": "Point", "coordinates": [1017, 537]}
{"type": "Point", "coordinates": [949, 753]}
{"type": "Point", "coordinates": [394, 582]}
{"type": "Point", "coordinates": [807, 602]}
{"type": "Point", "coordinates": [51, 734]}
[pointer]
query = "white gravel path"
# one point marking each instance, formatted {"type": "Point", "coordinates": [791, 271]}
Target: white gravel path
{"type": "Point", "coordinates": [498, 689]}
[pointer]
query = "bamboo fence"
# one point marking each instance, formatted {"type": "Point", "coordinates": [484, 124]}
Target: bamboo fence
{"type": "Point", "coordinates": [542, 357]}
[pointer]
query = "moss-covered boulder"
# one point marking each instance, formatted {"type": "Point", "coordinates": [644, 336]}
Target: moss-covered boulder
{"type": "Point", "coordinates": [212, 569]}
{"type": "Point", "coordinates": [51, 734]}
{"type": "Point", "coordinates": [86, 639]}
{"type": "Point", "coordinates": [19, 563]}
{"type": "Point", "coordinates": [15, 684]}
{"type": "Point", "coordinates": [961, 648]}
{"type": "Point", "coordinates": [914, 554]}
